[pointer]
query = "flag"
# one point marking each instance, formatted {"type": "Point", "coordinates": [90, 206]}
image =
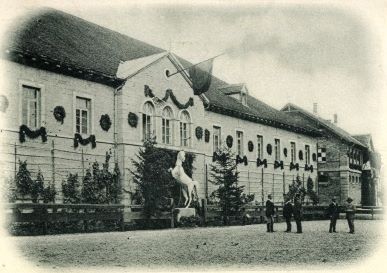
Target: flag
{"type": "Point", "coordinates": [200, 75]}
{"type": "Point", "coordinates": [321, 155]}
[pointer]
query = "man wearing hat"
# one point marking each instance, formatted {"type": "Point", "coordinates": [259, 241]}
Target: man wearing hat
{"type": "Point", "coordinates": [333, 213]}
{"type": "Point", "coordinates": [287, 212]}
{"type": "Point", "coordinates": [350, 210]}
{"type": "Point", "coordinates": [297, 212]}
{"type": "Point", "coordinates": [269, 214]}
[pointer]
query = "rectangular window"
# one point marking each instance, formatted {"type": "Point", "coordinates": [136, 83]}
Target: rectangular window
{"type": "Point", "coordinates": [83, 116]}
{"type": "Point", "coordinates": [307, 154]}
{"type": "Point", "coordinates": [31, 106]}
{"type": "Point", "coordinates": [216, 135]}
{"type": "Point", "coordinates": [184, 134]}
{"type": "Point", "coordinates": [166, 131]}
{"type": "Point", "coordinates": [239, 137]}
{"type": "Point", "coordinates": [260, 146]}
{"type": "Point", "coordinates": [277, 149]}
{"type": "Point", "coordinates": [293, 152]}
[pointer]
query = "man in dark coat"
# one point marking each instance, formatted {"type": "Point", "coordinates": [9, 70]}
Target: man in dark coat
{"type": "Point", "coordinates": [297, 212]}
{"type": "Point", "coordinates": [269, 214]}
{"type": "Point", "coordinates": [333, 213]}
{"type": "Point", "coordinates": [350, 210]}
{"type": "Point", "coordinates": [287, 212]}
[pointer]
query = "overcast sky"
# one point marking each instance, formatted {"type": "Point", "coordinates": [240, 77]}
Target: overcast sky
{"type": "Point", "coordinates": [284, 53]}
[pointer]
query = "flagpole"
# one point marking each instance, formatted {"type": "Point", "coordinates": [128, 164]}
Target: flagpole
{"type": "Point", "coordinates": [178, 71]}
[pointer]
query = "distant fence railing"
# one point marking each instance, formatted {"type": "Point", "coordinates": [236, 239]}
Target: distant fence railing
{"type": "Point", "coordinates": [54, 213]}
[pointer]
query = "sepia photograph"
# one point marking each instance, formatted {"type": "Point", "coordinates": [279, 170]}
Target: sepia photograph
{"type": "Point", "coordinates": [192, 136]}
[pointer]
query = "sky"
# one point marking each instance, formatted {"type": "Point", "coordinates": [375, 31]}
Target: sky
{"type": "Point", "coordinates": [288, 52]}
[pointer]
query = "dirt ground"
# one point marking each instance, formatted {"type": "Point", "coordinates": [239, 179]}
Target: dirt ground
{"type": "Point", "coordinates": [247, 247]}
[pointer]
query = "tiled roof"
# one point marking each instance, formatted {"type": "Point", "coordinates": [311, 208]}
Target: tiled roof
{"type": "Point", "coordinates": [366, 140]}
{"type": "Point", "coordinates": [73, 41]}
{"type": "Point", "coordinates": [297, 113]}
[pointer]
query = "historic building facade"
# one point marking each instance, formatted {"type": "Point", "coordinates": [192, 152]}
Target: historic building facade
{"type": "Point", "coordinates": [76, 91]}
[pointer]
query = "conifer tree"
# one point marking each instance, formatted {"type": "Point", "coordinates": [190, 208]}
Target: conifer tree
{"type": "Point", "coordinates": [224, 174]}
{"type": "Point", "coordinates": [89, 191]}
{"type": "Point", "coordinates": [37, 187]}
{"type": "Point", "coordinates": [151, 175]}
{"type": "Point", "coordinates": [23, 179]}
{"type": "Point", "coordinates": [70, 189]}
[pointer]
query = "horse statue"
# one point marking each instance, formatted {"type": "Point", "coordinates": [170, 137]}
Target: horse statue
{"type": "Point", "coordinates": [187, 184]}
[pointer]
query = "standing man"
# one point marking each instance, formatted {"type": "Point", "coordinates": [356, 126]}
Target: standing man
{"type": "Point", "coordinates": [350, 210]}
{"type": "Point", "coordinates": [287, 212]}
{"type": "Point", "coordinates": [269, 214]}
{"type": "Point", "coordinates": [333, 213]}
{"type": "Point", "coordinates": [297, 212]}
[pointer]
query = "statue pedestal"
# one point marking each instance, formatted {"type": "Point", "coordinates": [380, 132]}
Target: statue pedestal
{"type": "Point", "coordinates": [184, 212]}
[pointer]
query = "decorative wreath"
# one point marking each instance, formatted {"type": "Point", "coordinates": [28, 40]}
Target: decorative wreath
{"type": "Point", "coordinates": [285, 152]}
{"type": "Point", "coordinates": [132, 119]}
{"type": "Point", "coordinates": [250, 146]}
{"type": "Point", "coordinates": [314, 157]}
{"type": "Point", "coordinates": [269, 149]}
{"type": "Point", "coordinates": [300, 155]}
{"type": "Point", "coordinates": [206, 135]}
{"type": "Point", "coordinates": [3, 103]}
{"type": "Point", "coordinates": [199, 132]}
{"type": "Point", "coordinates": [229, 141]}
{"type": "Point", "coordinates": [59, 113]}
{"type": "Point", "coordinates": [105, 122]}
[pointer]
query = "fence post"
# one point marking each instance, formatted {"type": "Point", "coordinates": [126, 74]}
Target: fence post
{"type": "Point", "coordinates": [204, 208]}
{"type": "Point", "coordinates": [172, 216]}
{"type": "Point", "coordinates": [15, 160]}
{"type": "Point", "coordinates": [303, 180]}
{"type": "Point", "coordinates": [262, 191]}
{"type": "Point", "coordinates": [283, 182]}
{"type": "Point", "coordinates": [53, 163]}
{"type": "Point", "coordinates": [248, 180]}
{"type": "Point", "coordinates": [83, 164]}
{"type": "Point", "coordinates": [273, 186]}
{"type": "Point", "coordinates": [206, 181]}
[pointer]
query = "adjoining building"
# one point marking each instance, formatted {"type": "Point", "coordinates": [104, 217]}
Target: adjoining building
{"type": "Point", "coordinates": [75, 90]}
{"type": "Point", "coordinates": [341, 159]}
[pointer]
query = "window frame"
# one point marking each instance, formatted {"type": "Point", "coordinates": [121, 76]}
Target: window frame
{"type": "Point", "coordinates": [239, 145]}
{"type": "Point", "coordinates": [91, 122]}
{"type": "Point", "coordinates": [277, 149]}
{"type": "Point", "coordinates": [291, 152]}
{"type": "Point", "coordinates": [219, 144]}
{"type": "Point", "coordinates": [260, 146]}
{"type": "Point", "coordinates": [170, 120]}
{"type": "Point", "coordinates": [41, 88]}
{"type": "Point", "coordinates": [188, 130]}
{"type": "Point", "coordinates": [152, 118]}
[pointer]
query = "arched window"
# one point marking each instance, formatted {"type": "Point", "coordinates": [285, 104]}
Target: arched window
{"type": "Point", "coordinates": [185, 130]}
{"type": "Point", "coordinates": [148, 121]}
{"type": "Point", "coordinates": [167, 126]}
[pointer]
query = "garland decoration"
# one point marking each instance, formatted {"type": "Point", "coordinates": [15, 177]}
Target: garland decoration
{"type": "Point", "coordinates": [285, 152]}
{"type": "Point", "coordinates": [79, 140]}
{"type": "Point", "coordinates": [269, 149]}
{"type": "Point", "coordinates": [59, 113]}
{"type": "Point", "coordinates": [169, 94]}
{"type": "Point", "coordinates": [314, 157]}
{"type": "Point", "coordinates": [132, 119]}
{"type": "Point", "coordinates": [199, 132]}
{"type": "Point", "coordinates": [278, 164]}
{"type": "Point", "coordinates": [105, 122]}
{"type": "Point", "coordinates": [300, 155]}
{"type": "Point", "coordinates": [261, 162]}
{"type": "Point", "coordinates": [206, 135]}
{"type": "Point", "coordinates": [308, 168]}
{"type": "Point", "coordinates": [4, 103]}
{"type": "Point", "coordinates": [294, 166]}
{"type": "Point", "coordinates": [229, 141]}
{"type": "Point", "coordinates": [239, 159]}
{"type": "Point", "coordinates": [24, 130]}
{"type": "Point", "coordinates": [250, 146]}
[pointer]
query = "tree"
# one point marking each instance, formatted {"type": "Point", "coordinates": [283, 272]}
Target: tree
{"type": "Point", "coordinates": [23, 179]}
{"type": "Point", "coordinates": [152, 178]}
{"type": "Point", "coordinates": [115, 189]}
{"type": "Point", "coordinates": [310, 192]}
{"type": "Point", "coordinates": [225, 175]}
{"type": "Point", "coordinates": [89, 193]}
{"type": "Point", "coordinates": [37, 187]}
{"type": "Point", "coordinates": [296, 188]}
{"type": "Point", "coordinates": [48, 194]}
{"type": "Point", "coordinates": [70, 189]}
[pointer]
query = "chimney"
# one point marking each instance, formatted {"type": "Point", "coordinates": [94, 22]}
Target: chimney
{"type": "Point", "coordinates": [315, 108]}
{"type": "Point", "coordinates": [335, 118]}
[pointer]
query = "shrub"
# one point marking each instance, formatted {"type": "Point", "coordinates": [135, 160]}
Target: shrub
{"type": "Point", "coordinates": [70, 189]}
{"type": "Point", "coordinates": [190, 221]}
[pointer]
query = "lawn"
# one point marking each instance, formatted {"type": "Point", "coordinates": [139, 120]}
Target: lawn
{"type": "Point", "coordinates": [247, 247]}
